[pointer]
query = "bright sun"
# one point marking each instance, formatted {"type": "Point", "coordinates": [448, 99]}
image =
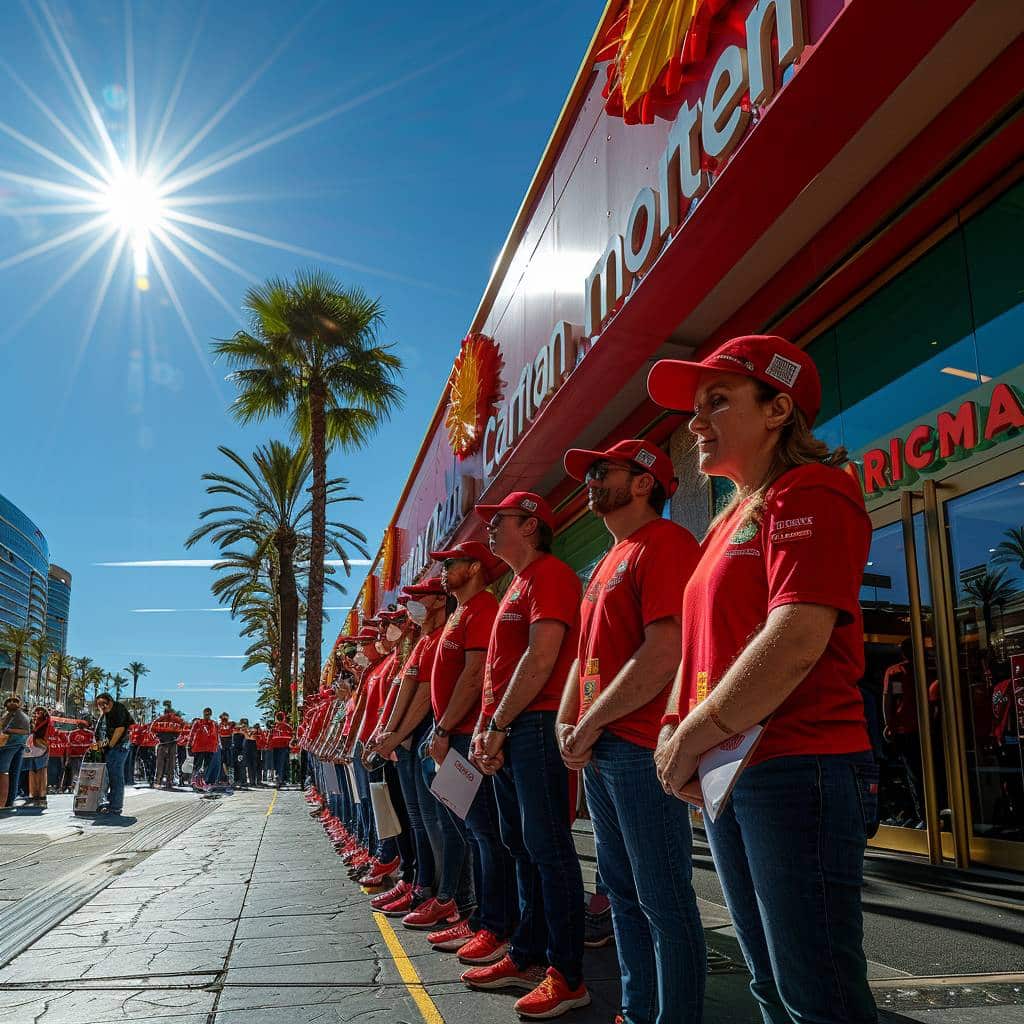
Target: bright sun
{"type": "Point", "coordinates": [135, 207]}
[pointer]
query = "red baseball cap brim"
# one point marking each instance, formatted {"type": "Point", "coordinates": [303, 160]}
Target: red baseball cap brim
{"type": "Point", "coordinates": [523, 502]}
{"type": "Point", "coordinates": [494, 567]}
{"type": "Point", "coordinates": [672, 383]}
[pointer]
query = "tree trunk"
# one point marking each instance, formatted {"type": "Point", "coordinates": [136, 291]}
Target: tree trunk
{"type": "Point", "coordinates": [315, 599]}
{"type": "Point", "coordinates": [135, 684]}
{"type": "Point", "coordinates": [17, 670]}
{"type": "Point", "coordinates": [288, 596]}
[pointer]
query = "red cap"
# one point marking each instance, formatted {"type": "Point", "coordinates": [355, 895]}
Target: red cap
{"type": "Point", "coordinates": [428, 588]}
{"type": "Point", "coordinates": [646, 455]}
{"type": "Point", "coordinates": [520, 501]}
{"type": "Point", "coordinates": [494, 567]}
{"type": "Point", "coordinates": [776, 362]}
{"type": "Point", "coordinates": [389, 616]}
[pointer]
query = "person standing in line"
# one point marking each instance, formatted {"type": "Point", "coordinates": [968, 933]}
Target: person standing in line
{"type": "Point", "coordinates": [147, 744]}
{"type": "Point", "coordinates": [133, 754]}
{"type": "Point", "coordinates": [14, 730]}
{"type": "Point", "coordinates": [166, 728]}
{"type": "Point", "coordinates": [772, 632]}
{"type": "Point", "coordinates": [608, 727]}
{"type": "Point", "coordinates": [58, 739]}
{"type": "Point", "coordinates": [280, 738]}
{"type": "Point", "coordinates": [238, 772]}
{"type": "Point", "coordinates": [533, 644]}
{"type": "Point", "coordinates": [225, 729]}
{"type": "Point", "coordinates": [80, 739]}
{"type": "Point", "coordinates": [182, 753]}
{"type": "Point", "coordinates": [250, 755]}
{"type": "Point", "coordinates": [115, 721]}
{"type": "Point", "coordinates": [262, 737]}
{"type": "Point", "coordinates": [37, 759]}
{"type": "Point", "coordinates": [203, 743]}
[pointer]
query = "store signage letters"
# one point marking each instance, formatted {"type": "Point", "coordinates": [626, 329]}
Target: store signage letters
{"type": "Point", "coordinates": [704, 133]}
{"type": "Point", "coordinates": [445, 517]}
{"type": "Point", "coordinates": [927, 447]}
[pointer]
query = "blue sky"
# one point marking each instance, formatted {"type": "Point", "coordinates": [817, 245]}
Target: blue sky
{"type": "Point", "coordinates": [421, 126]}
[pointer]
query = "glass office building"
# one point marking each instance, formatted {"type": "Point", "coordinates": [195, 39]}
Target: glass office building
{"type": "Point", "coordinates": [58, 603]}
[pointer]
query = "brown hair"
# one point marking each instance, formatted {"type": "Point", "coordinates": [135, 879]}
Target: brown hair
{"type": "Point", "coordinates": [797, 446]}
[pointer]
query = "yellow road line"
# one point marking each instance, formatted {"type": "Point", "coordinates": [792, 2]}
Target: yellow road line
{"type": "Point", "coordinates": [273, 800]}
{"type": "Point", "coordinates": [423, 1002]}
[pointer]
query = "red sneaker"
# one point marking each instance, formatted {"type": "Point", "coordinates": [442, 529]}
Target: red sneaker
{"type": "Point", "coordinates": [381, 901]}
{"type": "Point", "coordinates": [432, 914]}
{"type": "Point", "coordinates": [551, 998]}
{"type": "Point", "coordinates": [382, 874]}
{"type": "Point", "coordinates": [448, 940]}
{"type": "Point", "coordinates": [484, 948]}
{"type": "Point", "coordinates": [503, 974]}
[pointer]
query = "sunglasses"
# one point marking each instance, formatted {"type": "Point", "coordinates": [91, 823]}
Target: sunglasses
{"type": "Point", "coordinates": [450, 563]}
{"type": "Point", "coordinates": [599, 470]}
{"type": "Point", "coordinates": [495, 524]}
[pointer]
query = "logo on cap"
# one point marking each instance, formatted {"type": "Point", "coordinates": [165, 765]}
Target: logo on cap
{"type": "Point", "coordinates": [529, 504]}
{"type": "Point", "coordinates": [645, 458]}
{"type": "Point", "coordinates": [783, 370]}
{"type": "Point", "coordinates": [745, 363]}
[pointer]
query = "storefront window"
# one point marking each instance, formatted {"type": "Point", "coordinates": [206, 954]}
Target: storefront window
{"type": "Point", "coordinates": [993, 240]}
{"type": "Point", "coordinates": [986, 539]}
{"type": "Point", "coordinates": [909, 349]}
{"type": "Point", "coordinates": [829, 425]}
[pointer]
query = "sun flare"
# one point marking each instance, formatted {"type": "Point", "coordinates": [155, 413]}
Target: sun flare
{"type": "Point", "coordinates": [134, 206]}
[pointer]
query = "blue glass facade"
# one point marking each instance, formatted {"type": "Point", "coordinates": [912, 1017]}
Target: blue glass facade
{"type": "Point", "coordinates": [58, 604]}
{"type": "Point", "coordinates": [24, 569]}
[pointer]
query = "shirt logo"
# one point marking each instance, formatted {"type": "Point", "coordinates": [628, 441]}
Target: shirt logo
{"type": "Point", "coordinates": [784, 370]}
{"type": "Point", "coordinates": [620, 571]}
{"type": "Point", "coordinates": [747, 532]}
{"type": "Point", "coordinates": [515, 595]}
{"type": "Point", "coordinates": [645, 458]}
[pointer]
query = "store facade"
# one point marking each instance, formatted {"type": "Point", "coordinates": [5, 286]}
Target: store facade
{"type": "Point", "coordinates": [849, 176]}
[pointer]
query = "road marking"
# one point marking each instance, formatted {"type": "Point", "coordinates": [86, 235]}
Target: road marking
{"type": "Point", "coordinates": [273, 800]}
{"type": "Point", "coordinates": [423, 1002]}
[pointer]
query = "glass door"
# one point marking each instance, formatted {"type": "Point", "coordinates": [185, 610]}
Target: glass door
{"type": "Point", "coordinates": [985, 550]}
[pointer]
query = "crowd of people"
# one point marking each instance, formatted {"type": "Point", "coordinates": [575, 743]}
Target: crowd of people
{"type": "Point", "coordinates": [675, 648]}
{"type": "Point", "coordinates": [41, 753]}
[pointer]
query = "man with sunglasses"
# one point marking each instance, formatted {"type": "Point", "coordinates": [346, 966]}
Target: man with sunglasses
{"type": "Point", "coordinates": [532, 646]}
{"type": "Point", "coordinates": [609, 721]}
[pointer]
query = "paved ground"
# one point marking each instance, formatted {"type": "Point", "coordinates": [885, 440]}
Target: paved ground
{"type": "Point", "coordinates": [245, 916]}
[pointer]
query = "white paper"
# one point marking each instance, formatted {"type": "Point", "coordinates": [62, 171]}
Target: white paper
{"type": "Point", "coordinates": [456, 783]}
{"type": "Point", "coordinates": [89, 788]}
{"type": "Point", "coordinates": [720, 767]}
{"type": "Point", "coordinates": [353, 786]}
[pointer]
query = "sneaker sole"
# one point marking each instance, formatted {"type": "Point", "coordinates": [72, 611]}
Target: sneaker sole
{"type": "Point", "coordinates": [433, 926]}
{"type": "Point", "coordinates": [483, 962]}
{"type": "Point", "coordinates": [450, 945]}
{"type": "Point", "coordinates": [561, 1008]}
{"type": "Point", "coordinates": [500, 983]}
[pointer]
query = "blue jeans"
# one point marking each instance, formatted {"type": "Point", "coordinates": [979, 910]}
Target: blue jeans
{"type": "Point", "coordinates": [408, 769]}
{"type": "Point", "coordinates": [280, 764]}
{"type": "Point", "coordinates": [116, 759]}
{"type": "Point", "coordinates": [211, 773]}
{"type": "Point", "coordinates": [789, 849]}
{"type": "Point", "coordinates": [494, 871]}
{"type": "Point", "coordinates": [645, 856]}
{"type": "Point", "coordinates": [532, 793]}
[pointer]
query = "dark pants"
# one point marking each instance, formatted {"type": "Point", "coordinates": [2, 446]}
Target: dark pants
{"type": "Point", "coordinates": [426, 854]}
{"type": "Point", "coordinates": [494, 871]}
{"type": "Point", "coordinates": [644, 854]}
{"type": "Point", "coordinates": [789, 849]}
{"type": "Point", "coordinates": [72, 766]}
{"type": "Point", "coordinates": [115, 758]}
{"type": "Point", "coordinates": [200, 762]}
{"type": "Point", "coordinates": [14, 772]}
{"type": "Point", "coordinates": [146, 756]}
{"type": "Point", "coordinates": [251, 763]}
{"type": "Point", "coordinates": [532, 792]}
{"type": "Point", "coordinates": [225, 764]}
{"type": "Point", "coordinates": [280, 764]}
{"type": "Point", "coordinates": [165, 764]}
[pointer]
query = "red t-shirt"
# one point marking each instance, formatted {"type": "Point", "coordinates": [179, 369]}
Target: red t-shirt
{"type": "Point", "coordinates": [546, 589]}
{"type": "Point", "coordinates": [280, 735]}
{"type": "Point", "coordinates": [898, 683]}
{"type": "Point", "coordinates": [810, 548]}
{"type": "Point", "coordinates": [468, 629]}
{"type": "Point", "coordinates": [202, 737]}
{"type": "Point", "coordinates": [262, 739]}
{"type": "Point", "coordinates": [640, 581]}
{"type": "Point", "coordinates": [376, 688]}
{"type": "Point", "coordinates": [146, 737]}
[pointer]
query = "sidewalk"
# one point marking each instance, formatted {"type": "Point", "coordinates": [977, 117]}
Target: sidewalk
{"type": "Point", "coordinates": [248, 916]}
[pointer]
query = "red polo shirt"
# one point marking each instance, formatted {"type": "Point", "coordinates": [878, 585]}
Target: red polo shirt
{"type": "Point", "coordinates": [280, 735]}
{"type": "Point", "coordinates": [202, 737]}
{"type": "Point", "coordinates": [376, 687]}
{"type": "Point", "coordinates": [468, 629]}
{"type": "Point", "coordinates": [632, 587]}
{"type": "Point", "coordinates": [546, 589]}
{"type": "Point", "coordinates": [809, 548]}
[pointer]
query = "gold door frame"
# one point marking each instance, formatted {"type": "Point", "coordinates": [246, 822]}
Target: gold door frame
{"type": "Point", "coordinates": [959, 845]}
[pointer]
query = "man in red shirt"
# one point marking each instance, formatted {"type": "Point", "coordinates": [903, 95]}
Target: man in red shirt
{"type": "Point", "coordinates": [203, 743]}
{"type": "Point", "coordinates": [532, 646]}
{"type": "Point", "coordinates": [166, 728]}
{"type": "Point", "coordinates": [280, 739]}
{"type": "Point", "coordinates": [609, 722]}
{"type": "Point", "coordinates": [80, 740]}
{"type": "Point", "coordinates": [147, 743]}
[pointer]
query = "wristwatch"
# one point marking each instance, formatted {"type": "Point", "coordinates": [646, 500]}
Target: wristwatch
{"type": "Point", "coordinates": [492, 726]}
{"type": "Point", "coordinates": [443, 733]}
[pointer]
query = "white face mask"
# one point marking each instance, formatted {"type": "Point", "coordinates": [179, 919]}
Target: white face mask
{"type": "Point", "coordinates": [393, 633]}
{"type": "Point", "coordinates": [361, 660]}
{"type": "Point", "coordinates": [417, 611]}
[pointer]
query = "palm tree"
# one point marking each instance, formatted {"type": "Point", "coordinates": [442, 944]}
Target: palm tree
{"type": "Point", "coordinates": [136, 669]}
{"type": "Point", "coordinates": [272, 513]}
{"type": "Point", "coordinates": [314, 352]}
{"type": "Point", "coordinates": [13, 642]}
{"type": "Point", "coordinates": [63, 666]}
{"type": "Point", "coordinates": [1011, 550]}
{"type": "Point", "coordinates": [94, 677]}
{"type": "Point", "coordinates": [118, 682]}
{"type": "Point", "coordinates": [988, 590]}
{"type": "Point", "coordinates": [39, 647]}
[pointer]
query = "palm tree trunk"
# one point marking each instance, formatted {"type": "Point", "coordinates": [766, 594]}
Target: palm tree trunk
{"type": "Point", "coordinates": [17, 670]}
{"type": "Point", "coordinates": [315, 599]}
{"type": "Point", "coordinates": [135, 684]}
{"type": "Point", "coordinates": [288, 597]}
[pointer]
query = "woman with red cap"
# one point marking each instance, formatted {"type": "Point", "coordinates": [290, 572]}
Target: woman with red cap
{"type": "Point", "coordinates": [772, 631]}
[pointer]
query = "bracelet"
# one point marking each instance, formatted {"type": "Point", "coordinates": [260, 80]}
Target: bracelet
{"type": "Point", "coordinates": [713, 715]}
{"type": "Point", "coordinates": [492, 726]}
{"type": "Point", "coordinates": [442, 733]}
